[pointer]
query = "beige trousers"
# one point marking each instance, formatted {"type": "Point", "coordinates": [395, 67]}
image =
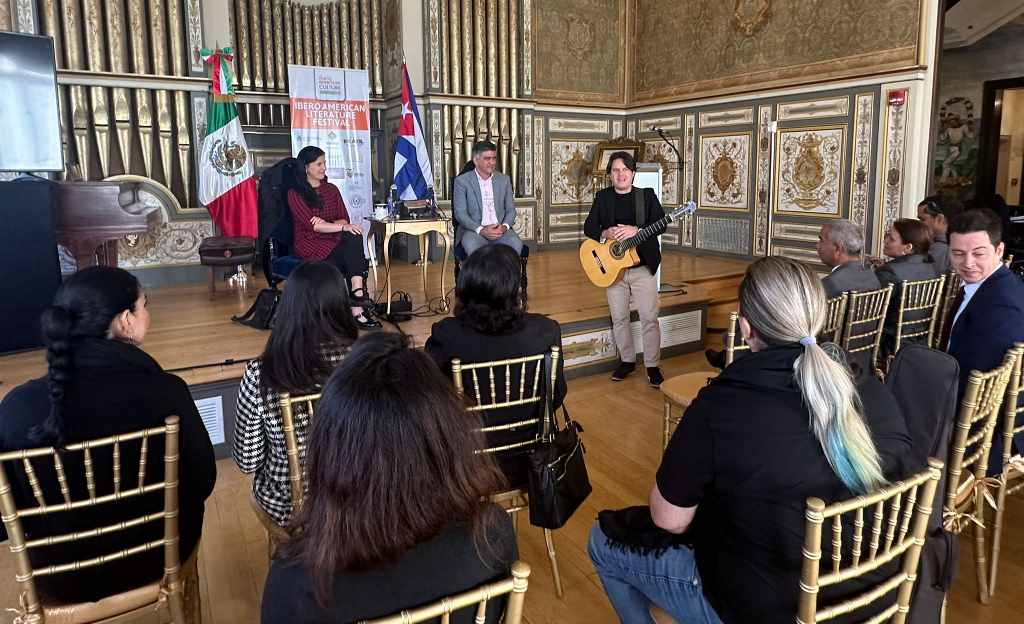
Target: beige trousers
{"type": "Point", "coordinates": [636, 285]}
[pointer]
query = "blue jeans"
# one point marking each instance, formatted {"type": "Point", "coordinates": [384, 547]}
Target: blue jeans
{"type": "Point", "coordinates": [634, 581]}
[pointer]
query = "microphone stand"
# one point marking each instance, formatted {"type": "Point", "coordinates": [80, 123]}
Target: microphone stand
{"type": "Point", "coordinates": [679, 180]}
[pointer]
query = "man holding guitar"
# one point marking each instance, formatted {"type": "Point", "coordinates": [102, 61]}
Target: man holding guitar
{"type": "Point", "coordinates": [618, 213]}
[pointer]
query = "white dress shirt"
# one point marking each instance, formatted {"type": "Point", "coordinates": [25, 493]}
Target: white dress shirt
{"type": "Point", "coordinates": [489, 215]}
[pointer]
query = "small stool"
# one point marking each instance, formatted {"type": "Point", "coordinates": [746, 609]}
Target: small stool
{"type": "Point", "coordinates": [219, 251]}
{"type": "Point", "coordinates": [681, 390]}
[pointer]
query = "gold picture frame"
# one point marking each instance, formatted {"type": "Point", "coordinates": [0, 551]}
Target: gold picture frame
{"type": "Point", "coordinates": [604, 150]}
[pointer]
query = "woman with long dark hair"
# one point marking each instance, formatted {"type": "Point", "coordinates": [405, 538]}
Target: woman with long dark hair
{"type": "Point", "coordinates": [313, 330]}
{"type": "Point", "coordinates": [323, 230]}
{"type": "Point", "coordinates": [396, 513]}
{"type": "Point", "coordinates": [100, 383]}
{"type": "Point", "coordinates": [490, 324]}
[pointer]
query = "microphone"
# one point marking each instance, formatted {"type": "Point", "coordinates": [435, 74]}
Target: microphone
{"type": "Point", "coordinates": [655, 128]}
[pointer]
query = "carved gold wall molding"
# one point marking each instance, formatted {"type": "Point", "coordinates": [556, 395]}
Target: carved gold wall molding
{"type": "Point", "coordinates": [689, 150]}
{"type": "Point", "coordinates": [528, 155]}
{"type": "Point", "coordinates": [25, 16]}
{"type": "Point", "coordinates": [539, 181]}
{"type": "Point", "coordinates": [763, 182]}
{"type": "Point", "coordinates": [797, 253]}
{"type": "Point", "coordinates": [586, 126]}
{"type": "Point", "coordinates": [734, 117]}
{"type": "Point", "coordinates": [814, 109]}
{"type": "Point", "coordinates": [665, 123]}
{"type": "Point", "coordinates": [804, 232]}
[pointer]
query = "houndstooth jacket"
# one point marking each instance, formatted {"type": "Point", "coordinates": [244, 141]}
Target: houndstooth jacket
{"type": "Point", "coordinates": [259, 445]}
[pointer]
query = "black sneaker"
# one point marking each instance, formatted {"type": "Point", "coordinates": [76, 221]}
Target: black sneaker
{"type": "Point", "coordinates": [367, 322]}
{"type": "Point", "coordinates": [715, 358]}
{"type": "Point", "coordinates": [654, 376]}
{"type": "Point", "coordinates": [623, 370]}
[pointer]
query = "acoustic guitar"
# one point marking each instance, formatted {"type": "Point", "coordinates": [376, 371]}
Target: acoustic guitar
{"type": "Point", "coordinates": [604, 262]}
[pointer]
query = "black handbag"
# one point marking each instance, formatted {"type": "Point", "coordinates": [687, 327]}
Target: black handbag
{"type": "Point", "coordinates": [558, 474]}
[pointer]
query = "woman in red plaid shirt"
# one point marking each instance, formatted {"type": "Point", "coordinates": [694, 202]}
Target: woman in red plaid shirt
{"type": "Point", "coordinates": [323, 230]}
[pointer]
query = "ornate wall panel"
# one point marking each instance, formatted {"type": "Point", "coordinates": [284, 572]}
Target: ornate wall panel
{"type": "Point", "coordinates": [892, 150]}
{"type": "Point", "coordinates": [528, 155]}
{"type": "Point", "coordinates": [735, 46]}
{"type": "Point", "coordinates": [863, 140]}
{"type": "Point", "coordinates": [524, 222]}
{"type": "Point", "coordinates": [335, 33]}
{"type": "Point", "coordinates": [804, 232]}
{"type": "Point", "coordinates": [833, 107]}
{"type": "Point", "coordinates": [571, 180]}
{"type": "Point", "coordinates": [582, 44]}
{"type": "Point", "coordinates": [584, 126]}
{"type": "Point", "coordinates": [657, 151]}
{"type": "Point", "coordinates": [796, 253]}
{"type": "Point", "coordinates": [539, 178]}
{"type": "Point", "coordinates": [171, 243]}
{"type": "Point", "coordinates": [473, 47]}
{"type": "Point", "coordinates": [689, 158]}
{"type": "Point", "coordinates": [723, 234]}
{"type": "Point", "coordinates": [734, 117]}
{"type": "Point", "coordinates": [392, 49]}
{"type": "Point", "coordinates": [809, 162]}
{"type": "Point", "coordinates": [763, 180]}
{"type": "Point", "coordinates": [724, 171]}
{"type": "Point", "coordinates": [665, 123]}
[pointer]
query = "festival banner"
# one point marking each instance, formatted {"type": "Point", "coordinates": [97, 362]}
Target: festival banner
{"type": "Point", "coordinates": [330, 108]}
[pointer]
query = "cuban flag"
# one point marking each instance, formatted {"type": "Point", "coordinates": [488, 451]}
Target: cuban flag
{"type": "Point", "coordinates": [413, 177]}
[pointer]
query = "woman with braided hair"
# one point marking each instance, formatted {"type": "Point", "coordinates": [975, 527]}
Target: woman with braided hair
{"type": "Point", "coordinates": [100, 383]}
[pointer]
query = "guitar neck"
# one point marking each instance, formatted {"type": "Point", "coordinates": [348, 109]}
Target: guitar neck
{"type": "Point", "coordinates": [647, 232]}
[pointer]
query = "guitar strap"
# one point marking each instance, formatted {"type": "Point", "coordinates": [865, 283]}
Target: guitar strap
{"type": "Point", "coordinates": [641, 207]}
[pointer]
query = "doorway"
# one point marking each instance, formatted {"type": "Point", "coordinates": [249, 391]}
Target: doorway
{"type": "Point", "coordinates": [1001, 149]}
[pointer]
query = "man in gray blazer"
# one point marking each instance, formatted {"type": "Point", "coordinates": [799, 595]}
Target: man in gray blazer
{"type": "Point", "coordinates": [482, 201]}
{"type": "Point", "coordinates": [839, 246]}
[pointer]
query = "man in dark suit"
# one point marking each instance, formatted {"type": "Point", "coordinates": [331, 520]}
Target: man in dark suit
{"type": "Point", "coordinates": [990, 316]}
{"type": "Point", "coordinates": [483, 203]}
{"type": "Point", "coordinates": [618, 212]}
{"type": "Point", "coordinates": [839, 246]}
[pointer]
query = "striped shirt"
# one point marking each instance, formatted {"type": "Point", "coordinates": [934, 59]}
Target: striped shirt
{"type": "Point", "coordinates": [259, 445]}
{"type": "Point", "coordinates": [309, 243]}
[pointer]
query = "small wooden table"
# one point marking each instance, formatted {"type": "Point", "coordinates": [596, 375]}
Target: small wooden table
{"type": "Point", "coordinates": [413, 227]}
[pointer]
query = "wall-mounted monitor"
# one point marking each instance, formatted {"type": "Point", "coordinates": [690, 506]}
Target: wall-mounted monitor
{"type": "Point", "coordinates": [29, 113]}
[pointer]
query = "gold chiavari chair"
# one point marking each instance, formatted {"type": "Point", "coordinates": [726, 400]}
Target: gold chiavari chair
{"type": "Point", "coordinates": [865, 318]}
{"type": "Point", "coordinates": [499, 396]}
{"type": "Point", "coordinates": [174, 598]}
{"type": "Point", "coordinates": [832, 330]}
{"type": "Point", "coordinates": [953, 285]}
{"type": "Point", "coordinates": [967, 486]}
{"type": "Point", "coordinates": [1011, 480]}
{"type": "Point", "coordinates": [1008, 261]}
{"type": "Point", "coordinates": [276, 534]}
{"type": "Point", "coordinates": [734, 340]}
{"type": "Point", "coordinates": [918, 310]}
{"type": "Point", "coordinates": [515, 587]}
{"type": "Point", "coordinates": [898, 537]}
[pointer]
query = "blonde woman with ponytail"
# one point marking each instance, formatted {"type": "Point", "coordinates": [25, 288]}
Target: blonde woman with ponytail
{"type": "Point", "coordinates": [722, 539]}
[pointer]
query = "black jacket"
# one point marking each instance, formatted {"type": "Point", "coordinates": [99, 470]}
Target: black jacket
{"type": "Point", "coordinates": [602, 217]}
{"type": "Point", "coordinates": [114, 388]}
{"type": "Point", "coordinates": [454, 338]}
{"type": "Point", "coordinates": [746, 457]}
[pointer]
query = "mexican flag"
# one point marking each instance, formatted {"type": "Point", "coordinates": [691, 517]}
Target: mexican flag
{"type": "Point", "coordinates": [227, 186]}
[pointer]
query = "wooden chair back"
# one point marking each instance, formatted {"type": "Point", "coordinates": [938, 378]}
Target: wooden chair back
{"type": "Point", "coordinates": [966, 486]}
{"type": "Point", "coordinates": [953, 285]}
{"type": "Point", "coordinates": [499, 392]}
{"type": "Point", "coordinates": [918, 311]}
{"type": "Point", "coordinates": [896, 523]}
{"type": "Point", "coordinates": [865, 318]}
{"type": "Point", "coordinates": [734, 339]}
{"type": "Point", "coordinates": [124, 487]}
{"type": "Point", "coordinates": [514, 587]}
{"type": "Point", "coordinates": [296, 453]}
{"type": "Point", "coordinates": [832, 330]}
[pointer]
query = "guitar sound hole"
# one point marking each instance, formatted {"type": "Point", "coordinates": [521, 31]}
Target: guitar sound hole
{"type": "Point", "coordinates": [616, 250]}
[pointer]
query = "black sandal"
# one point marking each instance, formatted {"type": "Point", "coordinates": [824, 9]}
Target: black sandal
{"type": "Point", "coordinates": [367, 322]}
{"type": "Point", "coordinates": [359, 300]}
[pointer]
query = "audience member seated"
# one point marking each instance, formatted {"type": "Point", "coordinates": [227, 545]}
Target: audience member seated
{"type": "Point", "coordinates": [935, 212]}
{"type": "Point", "coordinates": [988, 313]}
{"type": "Point", "coordinates": [735, 477]}
{"type": "Point", "coordinates": [323, 230]}
{"type": "Point", "coordinates": [907, 242]}
{"type": "Point", "coordinates": [396, 514]}
{"type": "Point", "coordinates": [312, 332]}
{"type": "Point", "coordinates": [840, 245]}
{"type": "Point", "coordinates": [490, 324]}
{"type": "Point", "coordinates": [483, 203]}
{"type": "Point", "coordinates": [99, 384]}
